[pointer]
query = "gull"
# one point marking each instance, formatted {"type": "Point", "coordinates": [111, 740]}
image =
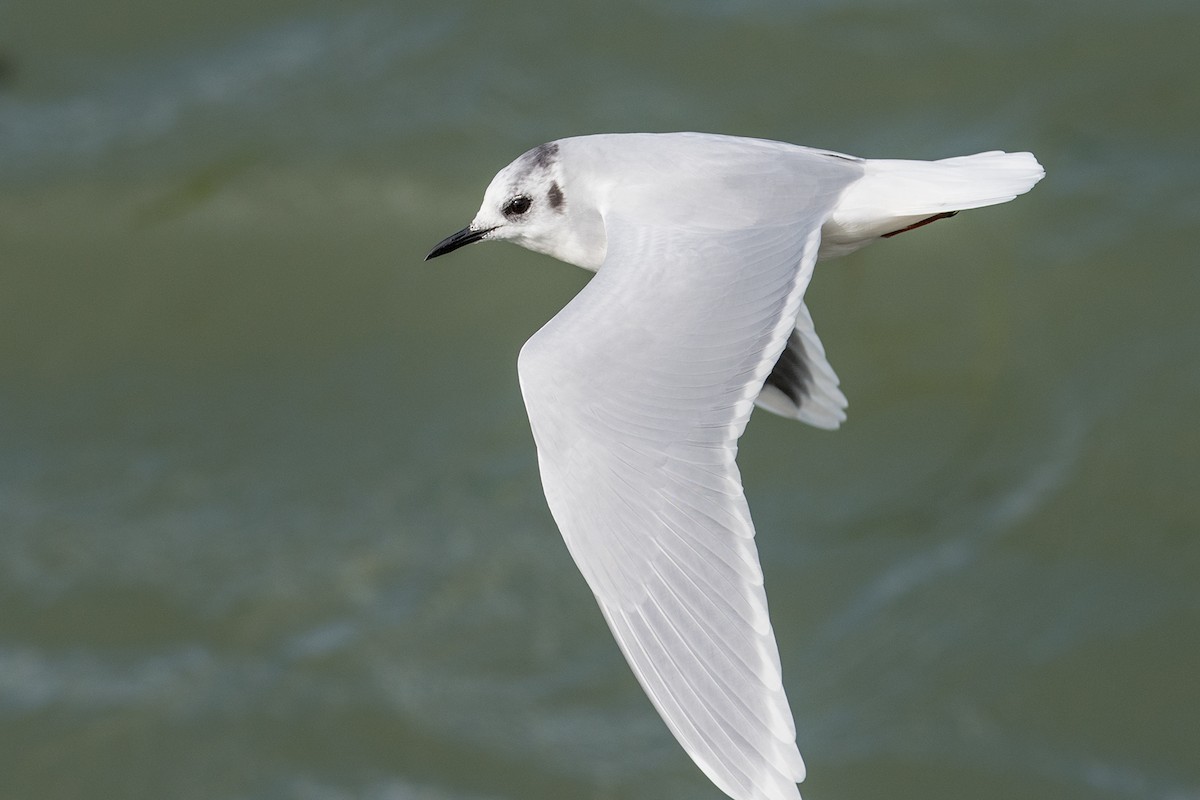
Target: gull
{"type": "Point", "coordinates": [638, 390]}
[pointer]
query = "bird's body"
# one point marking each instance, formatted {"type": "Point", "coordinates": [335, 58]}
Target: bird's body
{"type": "Point", "coordinates": [638, 390]}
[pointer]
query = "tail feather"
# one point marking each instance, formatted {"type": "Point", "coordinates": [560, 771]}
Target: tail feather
{"type": "Point", "coordinates": [893, 195]}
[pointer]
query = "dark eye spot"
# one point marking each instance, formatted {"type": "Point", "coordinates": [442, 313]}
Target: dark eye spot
{"type": "Point", "coordinates": [555, 196]}
{"type": "Point", "coordinates": [517, 206]}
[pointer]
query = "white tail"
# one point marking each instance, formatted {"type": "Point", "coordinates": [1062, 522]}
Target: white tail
{"type": "Point", "coordinates": [893, 195]}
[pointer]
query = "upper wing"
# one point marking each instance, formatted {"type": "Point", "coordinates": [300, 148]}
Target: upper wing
{"type": "Point", "coordinates": [637, 392]}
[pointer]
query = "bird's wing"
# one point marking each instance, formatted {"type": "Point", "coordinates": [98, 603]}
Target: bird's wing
{"type": "Point", "coordinates": [637, 393]}
{"type": "Point", "coordinates": [802, 385]}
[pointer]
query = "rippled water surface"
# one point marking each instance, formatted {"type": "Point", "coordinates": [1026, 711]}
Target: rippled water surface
{"type": "Point", "coordinates": [270, 521]}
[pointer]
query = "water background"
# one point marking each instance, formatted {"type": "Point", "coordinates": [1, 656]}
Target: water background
{"type": "Point", "coordinates": [270, 522]}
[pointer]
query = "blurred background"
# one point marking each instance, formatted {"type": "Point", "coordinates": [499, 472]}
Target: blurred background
{"type": "Point", "coordinates": [270, 520]}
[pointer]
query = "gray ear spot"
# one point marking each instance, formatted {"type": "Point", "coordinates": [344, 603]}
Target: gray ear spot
{"type": "Point", "coordinates": [555, 196]}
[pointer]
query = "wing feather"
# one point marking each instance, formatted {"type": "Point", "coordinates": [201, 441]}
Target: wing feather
{"type": "Point", "coordinates": [637, 393]}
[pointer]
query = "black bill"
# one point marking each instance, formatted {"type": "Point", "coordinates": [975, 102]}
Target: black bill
{"type": "Point", "coordinates": [454, 241]}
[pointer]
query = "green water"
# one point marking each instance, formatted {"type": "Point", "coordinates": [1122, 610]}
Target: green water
{"type": "Point", "coordinates": [270, 521]}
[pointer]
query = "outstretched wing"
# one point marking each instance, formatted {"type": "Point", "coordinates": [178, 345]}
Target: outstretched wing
{"type": "Point", "coordinates": [637, 393]}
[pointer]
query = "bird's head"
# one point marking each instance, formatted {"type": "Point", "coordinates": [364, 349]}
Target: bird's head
{"type": "Point", "coordinates": [533, 202]}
